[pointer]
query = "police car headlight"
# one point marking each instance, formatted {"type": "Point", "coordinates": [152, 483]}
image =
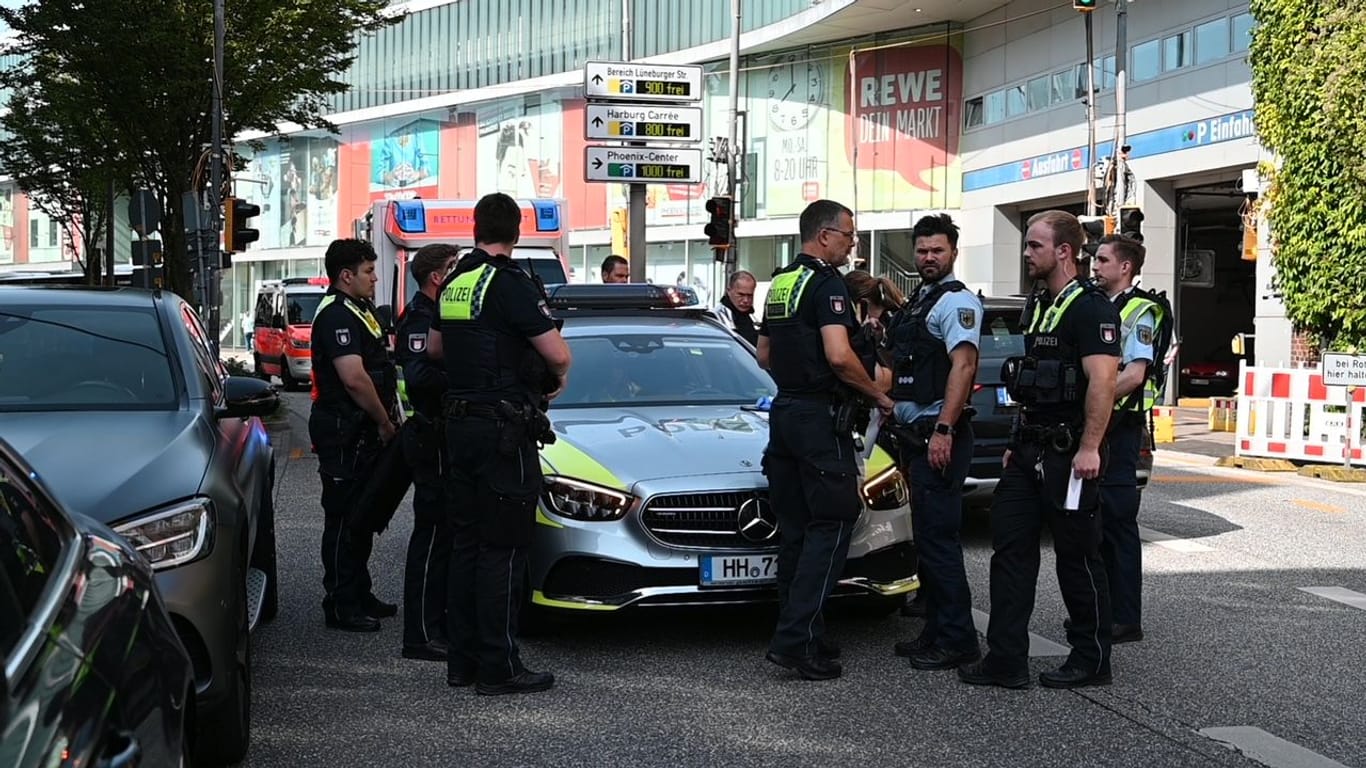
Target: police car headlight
{"type": "Point", "coordinates": [172, 535]}
{"type": "Point", "coordinates": [578, 500]}
{"type": "Point", "coordinates": [886, 490]}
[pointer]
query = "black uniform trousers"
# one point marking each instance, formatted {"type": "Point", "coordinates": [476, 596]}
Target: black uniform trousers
{"type": "Point", "coordinates": [1026, 500]}
{"type": "Point", "coordinates": [428, 566]}
{"type": "Point", "coordinates": [813, 484]}
{"type": "Point", "coordinates": [936, 522]}
{"type": "Point", "coordinates": [1120, 500]}
{"type": "Point", "coordinates": [491, 504]}
{"type": "Point", "coordinates": [346, 449]}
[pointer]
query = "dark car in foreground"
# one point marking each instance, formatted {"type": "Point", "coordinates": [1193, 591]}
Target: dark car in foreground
{"type": "Point", "coordinates": [115, 397]}
{"type": "Point", "coordinates": [1002, 337]}
{"type": "Point", "coordinates": [94, 674]}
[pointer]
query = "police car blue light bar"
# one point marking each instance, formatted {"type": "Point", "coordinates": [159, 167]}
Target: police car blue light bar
{"type": "Point", "coordinates": [623, 296]}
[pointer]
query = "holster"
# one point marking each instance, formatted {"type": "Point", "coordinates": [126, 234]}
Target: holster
{"type": "Point", "coordinates": [422, 447]}
{"type": "Point", "coordinates": [913, 438]}
{"type": "Point", "coordinates": [514, 424]}
{"type": "Point", "coordinates": [1061, 439]}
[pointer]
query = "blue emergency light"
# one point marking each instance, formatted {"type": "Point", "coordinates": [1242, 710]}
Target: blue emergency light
{"type": "Point", "coordinates": [410, 216]}
{"type": "Point", "coordinates": [547, 215]}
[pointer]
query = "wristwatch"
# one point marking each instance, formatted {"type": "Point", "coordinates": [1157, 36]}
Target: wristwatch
{"type": "Point", "coordinates": [943, 429]}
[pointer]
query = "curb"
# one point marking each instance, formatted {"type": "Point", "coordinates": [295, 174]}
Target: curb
{"type": "Point", "coordinates": [1256, 464]}
{"type": "Point", "coordinates": [1335, 474]}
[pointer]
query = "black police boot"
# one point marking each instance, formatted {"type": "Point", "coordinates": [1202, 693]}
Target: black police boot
{"type": "Point", "coordinates": [981, 673]}
{"type": "Point", "coordinates": [944, 658]}
{"type": "Point", "coordinates": [432, 650]}
{"type": "Point", "coordinates": [909, 648]}
{"type": "Point", "coordinates": [527, 682]}
{"type": "Point", "coordinates": [349, 621]}
{"type": "Point", "coordinates": [827, 649]}
{"type": "Point", "coordinates": [373, 606]}
{"type": "Point", "coordinates": [460, 678]}
{"type": "Point", "coordinates": [1068, 676]}
{"type": "Point", "coordinates": [810, 668]}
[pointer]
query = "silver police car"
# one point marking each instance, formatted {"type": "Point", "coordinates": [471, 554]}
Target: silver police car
{"type": "Point", "coordinates": [654, 492]}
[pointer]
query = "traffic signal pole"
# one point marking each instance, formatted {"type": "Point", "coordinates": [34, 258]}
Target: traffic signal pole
{"type": "Point", "coordinates": [1121, 191]}
{"type": "Point", "coordinates": [1090, 115]}
{"type": "Point", "coordinates": [635, 216]}
{"type": "Point", "coordinates": [733, 149]}
{"type": "Point", "coordinates": [209, 254]}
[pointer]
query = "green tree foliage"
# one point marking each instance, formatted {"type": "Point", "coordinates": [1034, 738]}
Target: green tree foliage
{"type": "Point", "coordinates": [109, 90]}
{"type": "Point", "coordinates": [1308, 68]}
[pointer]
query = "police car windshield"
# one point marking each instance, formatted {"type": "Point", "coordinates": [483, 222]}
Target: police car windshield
{"type": "Point", "coordinates": [81, 358]}
{"type": "Point", "coordinates": [657, 369]}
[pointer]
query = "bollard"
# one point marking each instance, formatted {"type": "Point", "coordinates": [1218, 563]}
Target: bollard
{"type": "Point", "coordinates": [1164, 424]}
{"type": "Point", "coordinates": [1223, 414]}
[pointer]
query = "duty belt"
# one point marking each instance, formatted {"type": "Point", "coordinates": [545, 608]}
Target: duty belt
{"type": "Point", "coordinates": [459, 409]}
{"type": "Point", "coordinates": [1061, 438]}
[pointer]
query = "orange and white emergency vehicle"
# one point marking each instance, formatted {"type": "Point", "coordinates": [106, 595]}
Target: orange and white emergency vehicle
{"type": "Point", "coordinates": [282, 332]}
{"type": "Point", "coordinates": [397, 228]}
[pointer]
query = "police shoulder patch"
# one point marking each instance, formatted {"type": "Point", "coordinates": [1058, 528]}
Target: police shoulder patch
{"type": "Point", "coordinates": [417, 342]}
{"type": "Point", "coordinates": [837, 304]}
{"type": "Point", "coordinates": [1145, 334]}
{"type": "Point", "coordinates": [344, 337]}
{"type": "Point", "coordinates": [1107, 333]}
{"type": "Point", "coordinates": [967, 318]}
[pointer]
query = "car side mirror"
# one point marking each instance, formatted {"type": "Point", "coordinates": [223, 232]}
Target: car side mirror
{"type": "Point", "coordinates": [244, 397]}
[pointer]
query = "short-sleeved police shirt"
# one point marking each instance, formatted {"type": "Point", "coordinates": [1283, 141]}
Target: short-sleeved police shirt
{"type": "Point", "coordinates": [339, 331]}
{"type": "Point", "coordinates": [825, 301]}
{"type": "Point", "coordinates": [956, 319]}
{"type": "Point", "coordinates": [513, 306]}
{"type": "Point", "coordinates": [1138, 342]}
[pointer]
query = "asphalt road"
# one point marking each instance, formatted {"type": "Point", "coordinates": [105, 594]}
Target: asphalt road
{"type": "Point", "coordinates": [1236, 651]}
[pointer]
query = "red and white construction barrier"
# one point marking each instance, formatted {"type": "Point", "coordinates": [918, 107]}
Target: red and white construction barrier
{"type": "Point", "coordinates": [1288, 413]}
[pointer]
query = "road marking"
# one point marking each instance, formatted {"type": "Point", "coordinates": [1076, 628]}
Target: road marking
{"type": "Point", "coordinates": [1318, 506]}
{"type": "Point", "coordinates": [297, 453]}
{"type": "Point", "coordinates": [1209, 479]}
{"type": "Point", "coordinates": [1171, 542]}
{"type": "Point", "coordinates": [1339, 595]}
{"type": "Point", "coordinates": [1269, 749]}
{"type": "Point", "coordinates": [1038, 645]}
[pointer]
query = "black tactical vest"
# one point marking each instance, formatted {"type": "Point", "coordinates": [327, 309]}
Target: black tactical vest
{"type": "Point", "coordinates": [482, 357]}
{"type": "Point", "coordinates": [921, 371]}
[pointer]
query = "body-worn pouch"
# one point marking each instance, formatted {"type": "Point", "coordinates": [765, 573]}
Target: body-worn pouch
{"type": "Point", "coordinates": [507, 500]}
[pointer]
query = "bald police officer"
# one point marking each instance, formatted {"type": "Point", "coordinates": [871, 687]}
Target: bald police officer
{"type": "Point", "coordinates": [934, 342]}
{"type": "Point", "coordinates": [810, 458]}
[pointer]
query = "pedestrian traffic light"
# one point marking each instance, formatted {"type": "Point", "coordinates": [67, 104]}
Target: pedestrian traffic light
{"type": "Point", "coordinates": [1085, 6]}
{"type": "Point", "coordinates": [719, 228]}
{"type": "Point", "coordinates": [236, 233]}
{"type": "Point", "coordinates": [1131, 222]}
{"type": "Point", "coordinates": [1095, 228]}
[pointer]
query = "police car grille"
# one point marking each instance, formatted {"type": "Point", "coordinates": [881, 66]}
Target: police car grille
{"type": "Point", "coordinates": [700, 520]}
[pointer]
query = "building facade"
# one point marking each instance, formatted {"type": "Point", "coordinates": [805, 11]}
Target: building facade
{"type": "Point", "coordinates": [975, 107]}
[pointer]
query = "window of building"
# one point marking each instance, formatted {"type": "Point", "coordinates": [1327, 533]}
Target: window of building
{"type": "Point", "coordinates": [972, 112]}
{"type": "Point", "coordinates": [996, 107]}
{"type": "Point", "coordinates": [52, 233]}
{"type": "Point", "coordinates": [1015, 101]}
{"type": "Point", "coordinates": [1242, 25]}
{"type": "Point", "coordinates": [1037, 92]}
{"type": "Point", "coordinates": [33, 233]}
{"type": "Point", "coordinates": [1068, 85]}
{"type": "Point", "coordinates": [1211, 41]}
{"type": "Point", "coordinates": [1147, 61]}
{"type": "Point", "coordinates": [1176, 51]}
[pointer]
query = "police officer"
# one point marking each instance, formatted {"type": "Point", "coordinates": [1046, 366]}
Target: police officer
{"type": "Point", "coordinates": [421, 390]}
{"type": "Point", "coordinates": [1118, 261]}
{"type": "Point", "coordinates": [353, 413]}
{"type": "Point", "coordinates": [491, 317]}
{"type": "Point", "coordinates": [1065, 383]}
{"type": "Point", "coordinates": [934, 344]}
{"type": "Point", "coordinates": [810, 459]}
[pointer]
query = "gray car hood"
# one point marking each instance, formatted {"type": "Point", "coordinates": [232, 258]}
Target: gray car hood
{"type": "Point", "coordinates": [635, 444]}
{"type": "Point", "coordinates": [109, 465]}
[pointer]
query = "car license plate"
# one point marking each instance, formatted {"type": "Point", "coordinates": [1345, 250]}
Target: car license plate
{"type": "Point", "coordinates": [1003, 397]}
{"type": "Point", "coordinates": [725, 570]}
{"type": "Point", "coordinates": [1201, 382]}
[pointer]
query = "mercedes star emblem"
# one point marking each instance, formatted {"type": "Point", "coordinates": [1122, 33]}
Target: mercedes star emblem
{"type": "Point", "coordinates": [756, 521]}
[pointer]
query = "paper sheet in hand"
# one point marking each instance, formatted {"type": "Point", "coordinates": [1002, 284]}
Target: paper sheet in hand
{"type": "Point", "coordinates": [1073, 492]}
{"type": "Point", "coordinates": [870, 437]}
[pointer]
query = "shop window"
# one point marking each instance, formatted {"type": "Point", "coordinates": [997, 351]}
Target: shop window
{"type": "Point", "coordinates": [1211, 41]}
{"type": "Point", "coordinates": [1242, 25]}
{"type": "Point", "coordinates": [1176, 51]}
{"type": "Point", "coordinates": [1147, 61]}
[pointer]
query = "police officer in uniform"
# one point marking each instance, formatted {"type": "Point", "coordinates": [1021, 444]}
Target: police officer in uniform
{"type": "Point", "coordinates": [934, 344]}
{"type": "Point", "coordinates": [810, 459]}
{"type": "Point", "coordinates": [421, 390]}
{"type": "Point", "coordinates": [354, 407]}
{"type": "Point", "coordinates": [1065, 383]}
{"type": "Point", "coordinates": [1118, 261]}
{"type": "Point", "coordinates": [491, 317]}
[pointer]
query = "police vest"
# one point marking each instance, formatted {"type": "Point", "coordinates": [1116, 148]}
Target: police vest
{"type": "Point", "coordinates": [921, 371]}
{"type": "Point", "coordinates": [479, 356]}
{"type": "Point", "coordinates": [796, 353]}
{"type": "Point", "coordinates": [1130, 309]}
{"type": "Point", "coordinates": [382, 375]}
{"type": "Point", "coordinates": [1050, 374]}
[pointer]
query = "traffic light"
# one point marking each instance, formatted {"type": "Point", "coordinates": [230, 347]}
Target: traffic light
{"type": "Point", "coordinates": [1095, 228]}
{"type": "Point", "coordinates": [719, 229]}
{"type": "Point", "coordinates": [1131, 222]}
{"type": "Point", "coordinates": [1085, 6]}
{"type": "Point", "coordinates": [236, 233]}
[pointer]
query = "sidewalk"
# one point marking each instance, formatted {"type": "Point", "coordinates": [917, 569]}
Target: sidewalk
{"type": "Point", "coordinates": [1193, 435]}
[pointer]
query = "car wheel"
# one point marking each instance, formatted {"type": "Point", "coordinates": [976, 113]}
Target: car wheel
{"type": "Point", "coordinates": [225, 734]}
{"type": "Point", "coordinates": [263, 556]}
{"type": "Point", "coordinates": [286, 380]}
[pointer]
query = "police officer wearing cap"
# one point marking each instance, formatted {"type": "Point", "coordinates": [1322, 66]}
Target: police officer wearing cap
{"type": "Point", "coordinates": [491, 317]}
{"type": "Point", "coordinates": [1065, 383]}
{"type": "Point", "coordinates": [1118, 261]}
{"type": "Point", "coordinates": [810, 459]}
{"type": "Point", "coordinates": [934, 342]}
{"type": "Point", "coordinates": [354, 407]}
{"type": "Point", "coordinates": [420, 391]}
